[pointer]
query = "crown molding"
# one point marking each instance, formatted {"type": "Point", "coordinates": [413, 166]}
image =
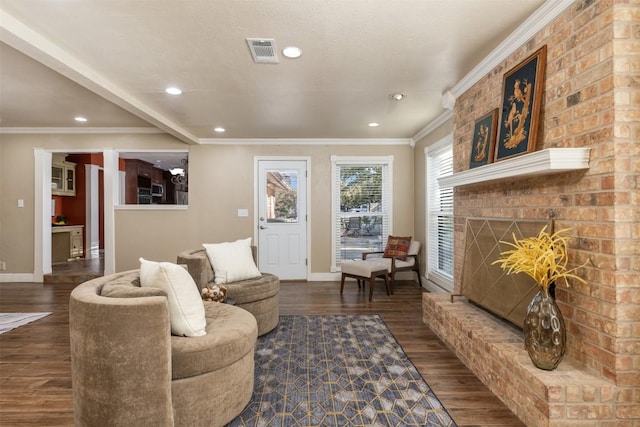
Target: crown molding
{"type": "Point", "coordinates": [433, 125]}
{"type": "Point", "coordinates": [546, 13]}
{"type": "Point", "coordinates": [71, 130]}
{"type": "Point", "coordinates": [306, 141]}
{"type": "Point", "coordinates": [539, 19]}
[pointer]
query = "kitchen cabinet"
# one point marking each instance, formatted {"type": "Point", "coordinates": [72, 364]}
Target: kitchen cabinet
{"type": "Point", "coordinates": [66, 242]}
{"type": "Point", "coordinates": [139, 174]}
{"type": "Point", "coordinates": [63, 177]}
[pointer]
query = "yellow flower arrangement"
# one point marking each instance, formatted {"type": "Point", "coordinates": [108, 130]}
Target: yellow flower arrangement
{"type": "Point", "coordinates": [543, 258]}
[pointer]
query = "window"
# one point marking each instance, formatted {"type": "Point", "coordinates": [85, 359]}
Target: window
{"type": "Point", "coordinates": [439, 214]}
{"type": "Point", "coordinates": [361, 206]}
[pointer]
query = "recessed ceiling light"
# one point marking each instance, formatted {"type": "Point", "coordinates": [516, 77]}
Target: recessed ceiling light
{"type": "Point", "coordinates": [398, 96]}
{"type": "Point", "coordinates": [173, 91]}
{"type": "Point", "coordinates": [219, 129]}
{"type": "Point", "coordinates": [374, 125]}
{"type": "Point", "coordinates": [80, 119]}
{"type": "Point", "coordinates": [292, 52]}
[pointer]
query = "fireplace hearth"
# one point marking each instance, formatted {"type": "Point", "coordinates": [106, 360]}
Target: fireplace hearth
{"type": "Point", "coordinates": [483, 327]}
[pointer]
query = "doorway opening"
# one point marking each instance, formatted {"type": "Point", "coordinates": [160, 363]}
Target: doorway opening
{"type": "Point", "coordinates": [71, 209]}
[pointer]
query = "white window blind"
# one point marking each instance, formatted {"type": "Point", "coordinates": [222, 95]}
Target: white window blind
{"type": "Point", "coordinates": [439, 161]}
{"type": "Point", "coordinates": [361, 206]}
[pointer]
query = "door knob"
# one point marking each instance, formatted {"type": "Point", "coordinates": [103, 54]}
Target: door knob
{"type": "Point", "coordinates": [262, 227]}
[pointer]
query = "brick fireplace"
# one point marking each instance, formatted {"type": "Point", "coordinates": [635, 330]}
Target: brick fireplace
{"type": "Point", "coordinates": [591, 98]}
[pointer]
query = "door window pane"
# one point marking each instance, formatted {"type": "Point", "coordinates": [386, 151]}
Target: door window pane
{"type": "Point", "coordinates": [282, 196]}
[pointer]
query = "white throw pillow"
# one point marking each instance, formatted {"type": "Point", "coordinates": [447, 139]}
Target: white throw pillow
{"type": "Point", "coordinates": [232, 261]}
{"type": "Point", "coordinates": [186, 309]}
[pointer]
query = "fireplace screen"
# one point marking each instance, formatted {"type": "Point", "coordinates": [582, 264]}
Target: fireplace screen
{"type": "Point", "coordinates": [488, 286]}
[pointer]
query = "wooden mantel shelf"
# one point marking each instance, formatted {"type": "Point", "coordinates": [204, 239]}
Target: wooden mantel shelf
{"type": "Point", "coordinates": [543, 162]}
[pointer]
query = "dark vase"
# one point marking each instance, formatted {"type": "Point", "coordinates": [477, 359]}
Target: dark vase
{"type": "Point", "coordinates": [545, 336]}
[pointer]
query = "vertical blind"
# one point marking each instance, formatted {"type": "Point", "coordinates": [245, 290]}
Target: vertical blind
{"type": "Point", "coordinates": [361, 205]}
{"type": "Point", "coordinates": [440, 216]}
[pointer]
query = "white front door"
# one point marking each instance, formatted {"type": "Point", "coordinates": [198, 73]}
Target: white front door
{"type": "Point", "coordinates": [282, 218]}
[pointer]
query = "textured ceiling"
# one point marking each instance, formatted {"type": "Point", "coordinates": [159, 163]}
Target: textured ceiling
{"type": "Point", "coordinates": [110, 60]}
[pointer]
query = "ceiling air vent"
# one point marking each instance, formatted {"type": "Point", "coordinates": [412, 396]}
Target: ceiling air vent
{"type": "Point", "coordinates": [263, 50]}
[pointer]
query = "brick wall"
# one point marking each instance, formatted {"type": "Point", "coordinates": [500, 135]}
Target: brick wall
{"type": "Point", "coordinates": [591, 99]}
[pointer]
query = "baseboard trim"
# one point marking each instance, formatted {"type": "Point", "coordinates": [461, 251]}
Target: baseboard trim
{"type": "Point", "coordinates": [432, 287]}
{"type": "Point", "coordinates": [16, 277]}
{"type": "Point", "coordinates": [324, 277]}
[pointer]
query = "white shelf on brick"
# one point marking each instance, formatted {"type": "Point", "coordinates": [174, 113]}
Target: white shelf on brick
{"type": "Point", "coordinates": [543, 162]}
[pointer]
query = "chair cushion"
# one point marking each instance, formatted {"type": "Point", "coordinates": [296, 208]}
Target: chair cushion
{"type": "Point", "coordinates": [363, 268]}
{"type": "Point", "coordinates": [414, 247]}
{"type": "Point", "coordinates": [397, 247]}
{"type": "Point", "coordinates": [232, 261]}
{"type": "Point", "coordinates": [386, 262]}
{"type": "Point", "coordinates": [258, 288]}
{"type": "Point", "coordinates": [186, 309]}
{"type": "Point", "coordinates": [231, 333]}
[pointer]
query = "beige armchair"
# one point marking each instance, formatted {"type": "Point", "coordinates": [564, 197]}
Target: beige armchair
{"type": "Point", "coordinates": [395, 265]}
{"type": "Point", "coordinates": [259, 296]}
{"type": "Point", "coordinates": [128, 370]}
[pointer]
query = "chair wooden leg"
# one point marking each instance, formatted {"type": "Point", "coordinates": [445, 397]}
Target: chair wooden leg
{"type": "Point", "coordinates": [371, 280]}
{"type": "Point", "coordinates": [342, 284]}
{"type": "Point", "coordinates": [386, 282]}
{"type": "Point", "coordinates": [393, 282]}
{"type": "Point", "coordinates": [417, 270]}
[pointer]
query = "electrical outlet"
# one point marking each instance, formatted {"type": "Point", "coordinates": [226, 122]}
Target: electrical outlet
{"type": "Point", "coordinates": [3, 266]}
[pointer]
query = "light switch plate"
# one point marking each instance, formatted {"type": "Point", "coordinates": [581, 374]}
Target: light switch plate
{"type": "Point", "coordinates": [20, 203]}
{"type": "Point", "coordinates": [243, 212]}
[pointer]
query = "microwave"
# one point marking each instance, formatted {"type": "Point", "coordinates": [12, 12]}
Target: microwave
{"type": "Point", "coordinates": [157, 190]}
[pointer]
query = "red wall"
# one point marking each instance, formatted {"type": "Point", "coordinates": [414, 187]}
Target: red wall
{"type": "Point", "coordinates": [75, 207]}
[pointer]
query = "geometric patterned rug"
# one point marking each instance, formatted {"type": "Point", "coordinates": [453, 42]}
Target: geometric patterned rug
{"type": "Point", "coordinates": [9, 321]}
{"type": "Point", "coordinates": [337, 371]}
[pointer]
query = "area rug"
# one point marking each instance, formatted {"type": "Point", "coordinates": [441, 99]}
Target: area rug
{"type": "Point", "coordinates": [9, 321]}
{"type": "Point", "coordinates": [337, 371]}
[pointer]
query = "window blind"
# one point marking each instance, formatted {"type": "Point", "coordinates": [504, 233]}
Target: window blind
{"type": "Point", "coordinates": [361, 205]}
{"type": "Point", "coordinates": [439, 160]}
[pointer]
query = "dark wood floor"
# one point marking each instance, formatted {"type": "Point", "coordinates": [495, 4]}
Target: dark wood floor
{"type": "Point", "coordinates": [35, 372]}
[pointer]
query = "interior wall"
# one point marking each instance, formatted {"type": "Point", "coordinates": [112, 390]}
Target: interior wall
{"type": "Point", "coordinates": [419, 187]}
{"type": "Point", "coordinates": [221, 181]}
{"type": "Point", "coordinates": [17, 183]}
{"type": "Point", "coordinates": [16, 224]}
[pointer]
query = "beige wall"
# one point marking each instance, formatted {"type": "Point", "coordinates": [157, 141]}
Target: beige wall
{"type": "Point", "coordinates": [16, 224]}
{"type": "Point", "coordinates": [221, 180]}
{"type": "Point", "coordinates": [419, 185]}
{"type": "Point", "coordinates": [17, 182]}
